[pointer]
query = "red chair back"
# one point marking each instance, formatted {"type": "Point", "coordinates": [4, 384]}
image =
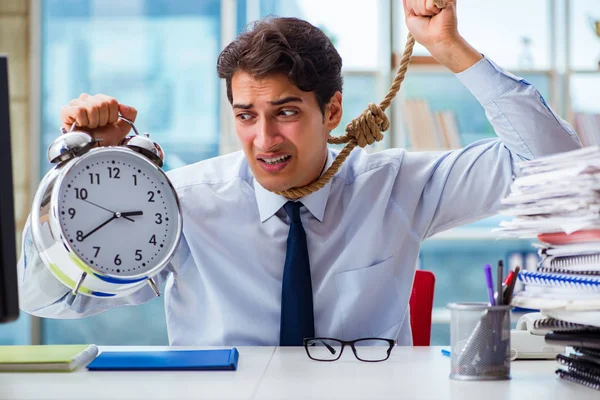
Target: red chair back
{"type": "Point", "coordinates": [421, 307]}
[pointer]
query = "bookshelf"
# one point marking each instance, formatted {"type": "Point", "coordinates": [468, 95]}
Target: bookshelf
{"type": "Point", "coordinates": [582, 69]}
{"type": "Point", "coordinates": [435, 112]}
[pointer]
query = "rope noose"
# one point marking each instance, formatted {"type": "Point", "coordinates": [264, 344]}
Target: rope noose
{"type": "Point", "coordinates": [365, 129]}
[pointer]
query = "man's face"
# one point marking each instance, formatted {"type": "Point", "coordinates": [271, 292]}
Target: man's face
{"type": "Point", "coordinates": [282, 130]}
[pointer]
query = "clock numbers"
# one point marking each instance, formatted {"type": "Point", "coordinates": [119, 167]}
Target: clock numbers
{"type": "Point", "coordinates": [125, 227]}
{"type": "Point", "coordinates": [81, 194]}
{"type": "Point", "coordinates": [97, 180]}
{"type": "Point", "coordinates": [113, 172]}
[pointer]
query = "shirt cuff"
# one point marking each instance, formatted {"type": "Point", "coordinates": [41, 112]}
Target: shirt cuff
{"type": "Point", "coordinates": [487, 81]}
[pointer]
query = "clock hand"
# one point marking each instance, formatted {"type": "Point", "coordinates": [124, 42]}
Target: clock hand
{"type": "Point", "coordinates": [131, 213]}
{"type": "Point", "coordinates": [115, 216]}
{"type": "Point", "coordinates": [98, 227]}
{"type": "Point", "coordinates": [111, 211]}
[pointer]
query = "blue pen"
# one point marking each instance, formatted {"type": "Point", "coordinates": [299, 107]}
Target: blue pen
{"type": "Point", "coordinates": [490, 283]}
{"type": "Point", "coordinates": [446, 352]}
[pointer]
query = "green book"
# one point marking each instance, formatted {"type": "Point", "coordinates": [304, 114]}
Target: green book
{"type": "Point", "coordinates": [55, 358]}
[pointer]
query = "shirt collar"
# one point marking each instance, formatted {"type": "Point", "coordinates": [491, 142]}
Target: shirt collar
{"type": "Point", "coordinates": [269, 203]}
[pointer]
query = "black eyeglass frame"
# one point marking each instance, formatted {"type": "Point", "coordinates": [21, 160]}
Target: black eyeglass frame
{"type": "Point", "coordinates": [345, 343]}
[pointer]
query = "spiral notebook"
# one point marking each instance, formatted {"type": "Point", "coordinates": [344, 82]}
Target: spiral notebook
{"type": "Point", "coordinates": [568, 297]}
{"type": "Point", "coordinates": [585, 264]}
{"type": "Point", "coordinates": [578, 283]}
{"type": "Point", "coordinates": [552, 324]}
{"type": "Point", "coordinates": [576, 316]}
{"type": "Point", "coordinates": [574, 250]}
{"type": "Point", "coordinates": [549, 270]}
{"type": "Point", "coordinates": [579, 370]}
{"type": "Point", "coordinates": [561, 306]}
{"type": "Point", "coordinates": [575, 377]}
{"type": "Point", "coordinates": [587, 351]}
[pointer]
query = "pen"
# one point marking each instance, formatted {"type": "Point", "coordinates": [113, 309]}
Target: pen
{"type": "Point", "coordinates": [490, 283]}
{"type": "Point", "coordinates": [511, 285]}
{"type": "Point", "coordinates": [506, 285]}
{"type": "Point", "coordinates": [508, 279]}
{"type": "Point", "coordinates": [500, 276]}
{"type": "Point", "coordinates": [446, 352]}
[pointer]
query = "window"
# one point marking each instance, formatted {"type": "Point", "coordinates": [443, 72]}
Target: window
{"type": "Point", "coordinates": [501, 41]}
{"type": "Point", "coordinates": [17, 332]}
{"type": "Point", "coordinates": [158, 56]}
{"type": "Point", "coordinates": [584, 58]}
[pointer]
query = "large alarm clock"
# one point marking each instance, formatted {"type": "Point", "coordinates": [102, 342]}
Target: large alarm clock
{"type": "Point", "coordinates": [106, 220]}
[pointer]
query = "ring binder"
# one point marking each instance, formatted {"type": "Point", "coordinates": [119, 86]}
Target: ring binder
{"type": "Point", "coordinates": [581, 371]}
{"type": "Point", "coordinates": [577, 378]}
{"type": "Point", "coordinates": [559, 325]}
{"type": "Point", "coordinates": [551, 270]}
{"type": "Point", "coordinates": [587, 351]}
{"type": "Point", "coordinates": [591, 260]}
{"type": "Point", "coordinates": [580, 365]}
{"type": "Point", "coordinates": [581, 339]}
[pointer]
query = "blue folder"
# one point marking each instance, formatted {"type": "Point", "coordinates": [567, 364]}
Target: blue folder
{"type": "Point", "coordinates": [184, 360]}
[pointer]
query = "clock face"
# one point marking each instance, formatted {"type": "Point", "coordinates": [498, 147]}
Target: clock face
{"type": "Point", "coordinates": [118, 212]}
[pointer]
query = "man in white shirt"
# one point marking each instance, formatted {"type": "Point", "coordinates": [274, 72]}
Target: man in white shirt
{"type": "Point", "coordinates": [226, 284]}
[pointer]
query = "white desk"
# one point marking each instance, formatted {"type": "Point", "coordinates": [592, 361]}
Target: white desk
{"type": "Point", "coordinates": [287, 373]}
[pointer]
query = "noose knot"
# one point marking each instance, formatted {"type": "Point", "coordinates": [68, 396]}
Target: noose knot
{"type": "Point", "coordinates": [367, 127]}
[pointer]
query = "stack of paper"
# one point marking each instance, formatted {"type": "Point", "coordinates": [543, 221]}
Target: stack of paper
{"type": "Point", "coordinates": [556, 200]}
{"type": "Point", "coordinates": [559, 193]}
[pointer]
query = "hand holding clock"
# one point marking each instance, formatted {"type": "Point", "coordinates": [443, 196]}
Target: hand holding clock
{"type": "Point", "coordinates": [116, 176]}
{"type": "Point", "coordinates": [98, 115]}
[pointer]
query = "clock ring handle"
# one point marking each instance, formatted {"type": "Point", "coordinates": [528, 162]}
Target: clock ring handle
{"type": "Point", "coordinates": [129, 122]}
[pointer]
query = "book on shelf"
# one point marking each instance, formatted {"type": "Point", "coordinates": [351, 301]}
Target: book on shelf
{"type": "Point", "coordinates": [428, 129]}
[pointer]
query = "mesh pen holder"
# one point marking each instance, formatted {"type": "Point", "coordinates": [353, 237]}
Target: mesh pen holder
{"type": "Point", "coordinates": [480, 340]}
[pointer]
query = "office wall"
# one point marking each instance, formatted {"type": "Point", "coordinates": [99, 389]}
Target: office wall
{"type": "Point", "coordinates": [14, 41]}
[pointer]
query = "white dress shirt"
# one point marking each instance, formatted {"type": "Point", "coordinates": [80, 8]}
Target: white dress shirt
{"type": "Point", "coordinates": [364, 230]}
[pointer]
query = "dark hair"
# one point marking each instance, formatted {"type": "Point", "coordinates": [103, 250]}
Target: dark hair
{"type": "Point", "coordinates": [285, 45]}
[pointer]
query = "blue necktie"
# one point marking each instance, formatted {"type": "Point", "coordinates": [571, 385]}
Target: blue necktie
{"type": "Point", "coordinates": [297, 318]}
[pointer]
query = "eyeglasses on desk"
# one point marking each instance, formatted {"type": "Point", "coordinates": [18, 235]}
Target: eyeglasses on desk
{"type": "Point", "coordinates": [364, 349]}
